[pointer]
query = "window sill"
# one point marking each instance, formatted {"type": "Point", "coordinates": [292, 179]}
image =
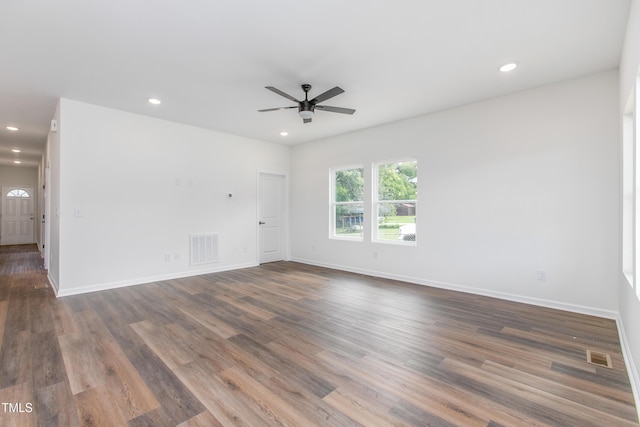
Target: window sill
{"type": "Point", "coordinates": [347, 239]}
{"type": "Point", "coordinates": [395, 242]}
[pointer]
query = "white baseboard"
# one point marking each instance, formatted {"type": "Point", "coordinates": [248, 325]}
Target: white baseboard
{"type": "Point", "coordinates": [634, 378]}
{"type": "Point", "coordinates": [53, 283]}
{"type": "Point", "coordinates": [149, 279]}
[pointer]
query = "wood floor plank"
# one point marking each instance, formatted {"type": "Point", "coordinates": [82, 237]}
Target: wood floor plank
{"type": "Point", "coordinates": [359, 409]}
{"type": "Point", "coordinates": [204, 419]}
{"type": "Point", "coordinates": [46, 360]}
{"type": "Point", "coordinates": [292, 344]}
{"type": "Point", "coordinates": [15, 363]}
{"type": "Point", "coordinates": [247, 307]}
{"type": "Point", "coordinates": [427, 394]}
{"type": "Point", "coordinates": [159, 417]}
{"type": "Point", "coordinates": [62, 318]}
{"type": "Point", "coordinates": [80, 362]}
{"type": "Point", "coordinates": [271, 407]}
{"type": "Point", "coordinates": [210, 322]}
{"type": "Point", "coordinates": [126, 387]}
{"type": "Point", "coordinates": [170, 349]}
{"type": "Point", "coordinates": [15, 410]}
{"type": "Point", "coordinates": [4, 306]}
{"type": "Point", "coordinates": [54, 406]}
{"type": "Point", "coordinates": [116, 316]}
{"type": "Point", "coordinates": [531, 400]}
{"type": "Point", "coordinates": [313, 382]}
{"type": "Point", "coordinates": [584, 397]}
{"type": "Point", "coordinates": [217, 396]}
{"type": "Point", "coordinates": [95, 407]}
{"type": "Point", "coordinates": [175, 398]}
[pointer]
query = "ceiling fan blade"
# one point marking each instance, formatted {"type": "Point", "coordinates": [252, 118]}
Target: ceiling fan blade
{"type": "Point", "coordinates": [281, 93]}
{"type": "Point", "coordinates": [306, 120]}
{"type": "Point", "coordinates": [335, 109]}
{"type": "Point", "coordinates": [275, 109]}
{"type": "Point", "coordinates": [328, 94]}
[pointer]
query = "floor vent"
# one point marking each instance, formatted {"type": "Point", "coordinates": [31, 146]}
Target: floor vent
{"type": "Point", "coordinates": [600, 359]}
{"type": "Point", "coordinates": [204, 248]}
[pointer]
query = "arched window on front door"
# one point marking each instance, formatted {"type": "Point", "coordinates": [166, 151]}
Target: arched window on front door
{"type": "Point", "coordinates": [18, 193]}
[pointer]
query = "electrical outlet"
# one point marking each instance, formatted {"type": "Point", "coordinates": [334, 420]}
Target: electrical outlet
{"type": "Point", "coordinates": [176, 256]}
{"type": "Point", "coordinates": [542, 275]}
{"type": "Point", "coordinates": [167, 257]}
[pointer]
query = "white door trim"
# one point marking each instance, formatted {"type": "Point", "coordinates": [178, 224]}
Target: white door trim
{"type": "Point", "coordinates": [285, 214]}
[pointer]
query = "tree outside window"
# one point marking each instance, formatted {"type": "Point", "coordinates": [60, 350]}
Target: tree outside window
{"type": "Point", "coordinates": [347, 204]}
{"type": "Point", "coordinates": [396, 201]}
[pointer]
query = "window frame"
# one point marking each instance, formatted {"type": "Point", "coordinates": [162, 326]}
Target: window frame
{"type": "Point", "coordinates": [333, 204]}
{"type": "Point", "coordinates": [630, 238]}
{"type": "Point", "coordinates": [376, 202]}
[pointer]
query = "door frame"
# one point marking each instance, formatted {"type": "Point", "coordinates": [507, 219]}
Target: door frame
{"type": "Point", "coordinates": [285, 214]}
{"type": "Point", "coordinates": [34, 205]}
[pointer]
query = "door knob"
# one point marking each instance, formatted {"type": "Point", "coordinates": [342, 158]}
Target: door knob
{"type": "Point", "coordinates": [261, 223]}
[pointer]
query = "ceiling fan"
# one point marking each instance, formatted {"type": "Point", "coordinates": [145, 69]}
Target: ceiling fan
{"type": "Point", "coordinates": [307, 107]}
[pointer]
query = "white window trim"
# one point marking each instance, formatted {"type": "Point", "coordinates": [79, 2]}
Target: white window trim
{"type": "Point", "coordinates": [630, 239]}
{"type": "Point", "coordinates": [635, 102]}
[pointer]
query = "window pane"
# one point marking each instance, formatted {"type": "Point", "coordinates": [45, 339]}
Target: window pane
{"type": "Point", "coordinates": [350, 185]}
{"type": "Point", "coordinates": [349, 220]}
{"type": "Point", "coordinates": [398, 181]}
{"type": "Point", "coordinates": [397, 221]}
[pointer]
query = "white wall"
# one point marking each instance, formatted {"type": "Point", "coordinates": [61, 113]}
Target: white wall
{"type": "Point", "coordinates": [629, 305]}
{"type": "Point", "coordinates": [506, 187]}
{"type": "Point", "coordinates": [132, 189]}
{"type": "Point", "coordinates": [52, 208]}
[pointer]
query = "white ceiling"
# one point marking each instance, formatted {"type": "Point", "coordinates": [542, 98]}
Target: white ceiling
{"type": "Point", "coordinates": [209, 61]}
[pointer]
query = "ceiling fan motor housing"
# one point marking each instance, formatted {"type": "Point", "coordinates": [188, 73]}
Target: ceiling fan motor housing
{"type": "Point", "coordinates": [307, 107]}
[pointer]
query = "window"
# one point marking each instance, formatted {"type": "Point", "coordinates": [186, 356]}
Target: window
{"type": "Point", "coordinates": [18, 193]}
{"type": "Point", "coordinates": [628, 197]}
{"type": "Point", "coordinates": [631, 190]}
{"type": "Point", "coordinates": [347, 208]}
{"type": "Point", "coordinates": [395, 201]}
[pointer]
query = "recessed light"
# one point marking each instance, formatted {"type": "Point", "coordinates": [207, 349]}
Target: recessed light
{"type": "Point", "coordinates": [284, 133]}
{"type": "Point", "coordinates": [508, 67]}
{"type": "Point", "coordinates": [154, 101]}
{"type": "Point", "coordinates": [15, 150]}
{"type": "Point", "coordinates": [12, 128]}
{"type": "Point", "coordinates": [17, 162]}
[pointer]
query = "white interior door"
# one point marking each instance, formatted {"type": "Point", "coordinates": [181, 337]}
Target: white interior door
{"type": "Point", "coordinates": [272, 217]}
{"type": "Point", "coordinates": [17, 216]}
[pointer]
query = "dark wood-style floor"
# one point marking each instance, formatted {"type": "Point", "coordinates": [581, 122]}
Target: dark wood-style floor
{"type": "Point", "coordinates": [295, 345]}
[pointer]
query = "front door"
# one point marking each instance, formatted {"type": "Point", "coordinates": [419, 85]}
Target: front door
{"type": "Point", "coordinates": [272, 217]}
{"type": "Point", "coordinates": [17, 216]}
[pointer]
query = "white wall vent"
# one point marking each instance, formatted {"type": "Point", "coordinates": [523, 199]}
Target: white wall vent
{"type": "Point", "coordinates": [204, 248]}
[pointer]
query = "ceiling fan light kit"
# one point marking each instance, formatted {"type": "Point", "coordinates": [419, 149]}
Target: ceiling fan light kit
{"type": "Point", "coordinates": [306, 114]}
{"type": "Point", "coordinates": [307, 107]}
